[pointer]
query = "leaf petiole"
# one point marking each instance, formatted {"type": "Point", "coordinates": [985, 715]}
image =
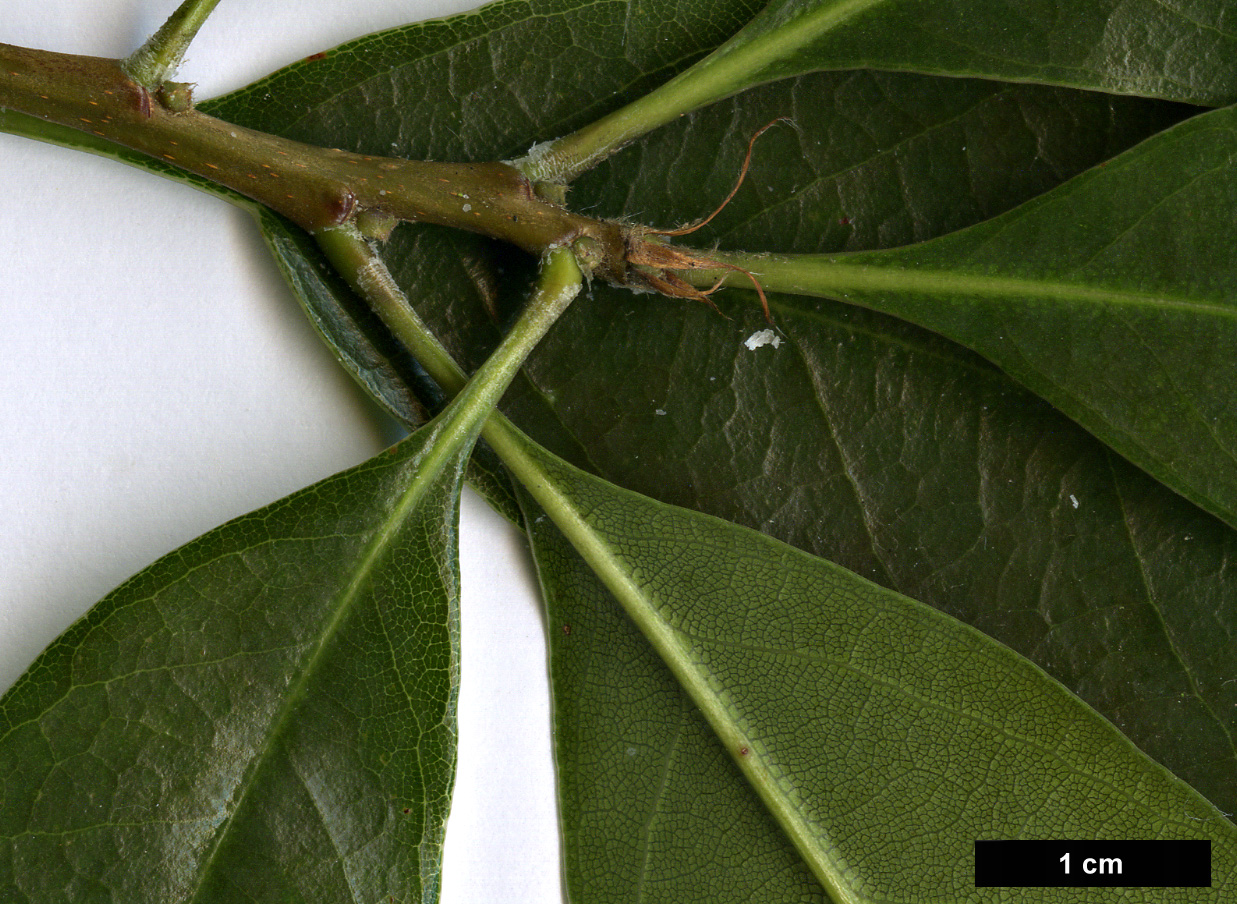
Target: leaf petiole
{"type": "Point", "coordinates": [158, 59]}
{"type": "Point", "coordinates": [557, 286]}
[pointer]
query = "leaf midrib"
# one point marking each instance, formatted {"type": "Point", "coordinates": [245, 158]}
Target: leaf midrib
{"type": "Point", "coordinates": [782, 42]}
{"type": "Point", "coordinates": [427, 467]}
{"type": "Point", "coordinates": [818, 658]}
{"type": "Point", "coordinates": [838, 277]}
{"type": "Point", "coordinates": [544, 484]}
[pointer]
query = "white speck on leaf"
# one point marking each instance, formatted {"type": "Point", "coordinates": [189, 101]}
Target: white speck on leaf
{"type": "Point", "coordinates": [762, 338]}
{"type": "Point", "coordinates": [660, 411]}
{"type": "Point", "coordinates": [1073, 500]}
{"type": "Point", "coordinates": [467, 207]}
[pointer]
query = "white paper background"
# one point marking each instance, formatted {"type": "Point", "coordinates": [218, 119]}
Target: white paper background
{"type": "Point", "coordinates": [157, 379]}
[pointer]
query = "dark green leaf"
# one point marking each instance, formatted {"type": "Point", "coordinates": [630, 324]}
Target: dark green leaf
{"type": "Point", "coordinates": [873, 445]}
{"type": "Point", "coordinates": [1176, 51]}
{"type": "Point", "coordinates": [862, 439]}
{"type": "Point", "coordinates": [884, 735]}
{"type": "Point", "coordinates": [1112, 297]}
{"type": "Point", "coordinates": [876, 446]}
{"type": "Point", "coordinates": [353, 332]}
{"type": "Point", "coordinates": [1182, 51]}
{"type": "Point", "coordinates": [266, 714]}
{"type": "Point", "coordinates": [584, 58]}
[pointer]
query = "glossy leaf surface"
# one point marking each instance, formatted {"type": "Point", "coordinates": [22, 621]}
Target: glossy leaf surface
{"type": "Point", "coordinates": [886, 736]}
{"type": "Point", "coordinates": [266, 714]}
{"type": "Point", "coordinates": [853, 177]}
{"type": "Point", "coordinates": [1112, 297]}
{"type": "Point", "coordinates": [879, 447]}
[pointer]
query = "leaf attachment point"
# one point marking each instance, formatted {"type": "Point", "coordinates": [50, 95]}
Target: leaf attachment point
{"type": "Point", "coordinates": [158, 59]}
{"type": "Point", "coordinates": [655, 260]}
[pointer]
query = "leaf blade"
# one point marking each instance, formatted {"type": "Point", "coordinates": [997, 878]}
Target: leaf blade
{"type": "Point", "coordinates": [1125, 48]}
{"type": "Point", "coordinates": [1108, 297]}
{"type": "Point", "coordinates": [1144, 48]}
{"type": "Point", "coordinates": [739, 617]}
{"type": "Point", "coordinates": [688, 462]}
{"type": "Point", "coordinates": [620, 717]}
{"type": "Point", "coordinates": [248, 619]}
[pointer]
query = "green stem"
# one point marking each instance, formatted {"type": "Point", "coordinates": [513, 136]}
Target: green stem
{"type": "Point", "coordinates": [156, 60]}
{"type": "Point", "coordinates": [563, 159]}
{"type": "Point", "coordinates": [536, 470]}
{"type": "Point", "coordinates": [316, 188]}
{"type": "Point", "coordinates": [557, 285]}
{"type": "Point", "coordinates": [364, 270]}
{"type": "Point", "coordinates": [749, 58]}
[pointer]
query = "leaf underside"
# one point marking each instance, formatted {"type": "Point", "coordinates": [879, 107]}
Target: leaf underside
{"type": "Point", "coordinates": [266, 714]}
{"type": "Point", "coordinates": [922, 467]}
{"type": "Point", "coordinates": [1111, 297]}
{"type": "Point", "coordinates": [868, 441]}
{"type": "Point", "coordinates": [1175, 50]}
{"type": "Point", "coordinates": [889, 736]}
{"type": "Point", "coordinates": [865, 440]}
